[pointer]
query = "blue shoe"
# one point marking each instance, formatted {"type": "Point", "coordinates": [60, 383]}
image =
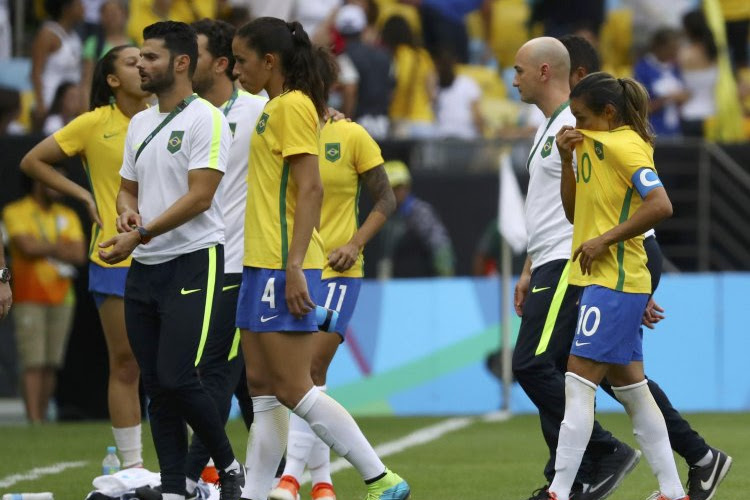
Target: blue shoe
{"type": "Point", "coordinates": [388, 487]}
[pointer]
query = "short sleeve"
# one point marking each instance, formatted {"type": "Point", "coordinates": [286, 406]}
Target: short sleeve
{"type": "Point", "coordinates": [299, 126]}
{"type": "Point", "coordinates": [74, 136]}
{"type": "Point", "coordinates": [210, 139]}
{"type": "Point", "coordinates": [367, 153]}
{"type": "Point", "coordinates": [15, 223]}
{"type": "Point", "coordinates": [630, 158]}
{"type": "Point", "coordinates": [128, 171]}
{"type": "Point", "coordinates": [72, 230]}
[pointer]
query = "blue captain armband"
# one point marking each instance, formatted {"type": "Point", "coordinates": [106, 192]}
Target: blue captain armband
{"type": "Point", "coordinates": [644, 180]}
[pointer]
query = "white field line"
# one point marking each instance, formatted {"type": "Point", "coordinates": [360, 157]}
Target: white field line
{"type": "Point", "coordinates": [416, 438]}
{"type": "Point", "coordinates": [37, 472]}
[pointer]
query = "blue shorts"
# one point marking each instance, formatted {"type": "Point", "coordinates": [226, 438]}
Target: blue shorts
{"type": "Point", "coordinates": [609, 326]}
{"type": "Point", "coordinates": [340, 294]}
{"type": "Point", "coordinates": [106, 281]}
{"type": "Point", "coordinates": [262, 307]}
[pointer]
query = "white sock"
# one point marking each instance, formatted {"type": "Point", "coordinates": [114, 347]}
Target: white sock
{"type": "Point", "coordinates": [705, 460]}
{"type": "Point", "coordinates": [128, 442]}
{"type": "Point", "coordinates": [234, 466]}
{"type": "Point", "coordinates": [265, 446]}
{"type": "Point", "coordinates": [575, 432]}
{"type": "Point", "coordinates": [172, 496]}
{"type": "Point", "coordinates": [319, 459]}
{"type": "Point", "coordinates": [651, 433]}
{"type": "Point", "coordinates": [301, 440]}
{"type": "Point", "coordinates": [190, 485]}
{"type": "Point", "coordinates": [333, 424]}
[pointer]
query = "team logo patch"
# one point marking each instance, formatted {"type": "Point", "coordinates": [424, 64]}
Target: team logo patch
{"type": "Point", "coordinates": [333, 151]}
{"type": "Point", "coordinates": [261, 126]}
{"type": "Point", "coordinates": [232, 127]}
{"type": "Point", "coordinates": [175, 141]}
{"type": "Point", "coordinates": [599, 150]}
{"type": "Point", "coordinates": [547, 148]}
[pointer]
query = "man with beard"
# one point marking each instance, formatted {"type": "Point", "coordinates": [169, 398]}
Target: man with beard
{"type": "Point", "coordinates": [169, 219]}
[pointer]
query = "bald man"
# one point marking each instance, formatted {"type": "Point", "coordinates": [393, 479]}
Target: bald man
{"type": "Point", "coordinates": [544, 300]}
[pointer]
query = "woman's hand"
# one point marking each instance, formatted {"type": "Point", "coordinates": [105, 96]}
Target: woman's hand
{"type": "Point", "coordinates": [90, 204]}
{"type": "Point", "coordinates": [344, 257]}
{"type": "Point", "coordinates": [588, 252]}
{"type": "Point", "coordinates": [297, 297]}
{"type": "Point", "coordinates": [566, 139]}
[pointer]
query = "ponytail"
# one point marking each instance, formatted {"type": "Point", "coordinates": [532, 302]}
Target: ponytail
{"type": "Point", "coordinates": [101, 92]}
{"type": "Point", "coordinates": [635, 108]}
{"type": "Point", "coordinates": [627, 96]}
{"type": "Point", "coordinates": [269, 35]}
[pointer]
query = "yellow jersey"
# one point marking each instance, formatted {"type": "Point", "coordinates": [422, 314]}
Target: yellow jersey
{"type": "Point", "coordinates": [411, 99]}
{"type": "Point", "coordinates": [39, 279]}
{"type": "Point", "coordinates": [346, 152]}
{"type": "Point", "coordinates": [99, 138]}
{"type": "Point", "coordinates": [606, 197]}
{"type": "Point", "coordinates": [288, 126]}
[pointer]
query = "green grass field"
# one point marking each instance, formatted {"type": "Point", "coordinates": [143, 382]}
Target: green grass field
{"type": "Point", "coordinates": [484, 460]}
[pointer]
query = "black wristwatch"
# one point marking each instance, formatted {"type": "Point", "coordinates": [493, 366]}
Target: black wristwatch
{"type": "Point", "coordinates": [145, 235]}
{"type": "Point", "coordinates": [4, 275]}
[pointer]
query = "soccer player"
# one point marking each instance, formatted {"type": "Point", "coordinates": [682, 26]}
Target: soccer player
{"type": "Point", "coordinates": [222, 366]}
{"type": "Point", "coordinates": [348, 158]}
{"type": "Point", "coordinates": [98, 136]}
{"type": "Point", "coordinates": [543, 299]}
{"type": "Point", "coordinates": [171, 221]}
{"type": "Point", "coordinates": [612, 198]}
{"type": "Point", "coordinates": [707, 465]}
{"type": "Point", "coordinates": [283, 261]}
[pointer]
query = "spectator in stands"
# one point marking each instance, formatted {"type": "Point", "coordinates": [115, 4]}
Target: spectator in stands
{"type": "Point", "coordinates": [65, 107]}
{"type": "Point", "coordinates": [5, 31]}
{"type": "Point", "coordinates": [411, 105]}
{"type": "Point", "coordinates": [561, 17]}
{"type": "Point", "coordinates": [737, 22]}
{"type": "Point", "coordinates": [443, 24]}
{"type": "Point", "coordinates": [55, 55]}
{"type": "Point", "coordinates": [46, 241]}
{"type": "Point", "coordinates": [658, 72]}
{"type": "Point", "coordinates": [697, 60]}
{"type": "Point", "coordinates": [111, 33]}
{"type": "Point", "coordinates": [146, 12]}
{"type": "Point", "coordinates": [91, 18]}
{"type": "Point", "coordinates": [414, 242]}
{"type": "Point", "coordinates": [457, 104]}
{"type": "Point", "coordinates": [375, 69]}
{"type": "Point", "coordinates": [10, 108]}
{"type": "Point", "coordinates": [316, 17]}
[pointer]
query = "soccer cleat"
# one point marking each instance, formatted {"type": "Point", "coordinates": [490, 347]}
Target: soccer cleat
{"type": "Point", "coordinates": [388, 487]}
{"type": "Point", "coordinates": [323, 491]}
{"type": "Point", "coordinates": [703, 481]}
{"type": "Point", "coordinates": [210, 474]}
{"type": "Point", "coordinates": [658, 496]}
{"type": "Point", "coordinates": [540, 494]}
{"type": "Point", "coordinates": [231, 483]}
{"type": "Point", "coordinates": [287, 489]}
{"type": "Point", "coordinates": [609, 473]}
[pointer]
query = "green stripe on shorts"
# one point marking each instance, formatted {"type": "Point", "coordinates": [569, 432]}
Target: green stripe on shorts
{"type": "Point", "coordinates": [554, 310]}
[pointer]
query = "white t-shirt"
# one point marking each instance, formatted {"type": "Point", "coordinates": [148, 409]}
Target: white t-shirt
{"type": "Point", "coordinates": [242, 117]}
{"type": "Point", "coordinates": [197, 137]}
{"type": "Point", "coordinates": [455, 116]}
{"type": "Point", "coordinates": [550, 233]}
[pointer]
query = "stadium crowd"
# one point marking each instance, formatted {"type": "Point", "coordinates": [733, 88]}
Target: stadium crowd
{"type": "Point", "coordinates": [409, 68]}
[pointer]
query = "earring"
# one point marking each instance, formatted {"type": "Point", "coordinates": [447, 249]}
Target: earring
{"type": "Point", "coordinates": [112, 101]}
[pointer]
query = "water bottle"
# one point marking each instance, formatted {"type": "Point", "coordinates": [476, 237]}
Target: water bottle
{"type": "Point", "coordinates": [326, 319]}
{"type": "Point", "coordinates": [29, 496]}
{"type": "Point", "coordinates": [111, 463]}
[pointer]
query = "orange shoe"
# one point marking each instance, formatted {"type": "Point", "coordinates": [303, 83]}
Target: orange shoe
{"type": "Point", "coordinates": [210, 474]}
{"type": "Point", "coordinates": [658, 496]}
{"type": "Point", "coordinates": [323, 491]}
{"type": "Point", "coordinates": [287, 489]}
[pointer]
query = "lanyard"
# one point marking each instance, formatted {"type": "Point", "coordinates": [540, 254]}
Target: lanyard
{"type": "Point", "coordinates": [551, 119]}
{"type": "Point", "coordinates": [182, 105]}
{"type": "Point", "coordinates": [230, 102]}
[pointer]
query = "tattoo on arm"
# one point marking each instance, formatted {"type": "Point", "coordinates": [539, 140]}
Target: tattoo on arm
{"type": "Point", "coordinates": [380, 190]}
